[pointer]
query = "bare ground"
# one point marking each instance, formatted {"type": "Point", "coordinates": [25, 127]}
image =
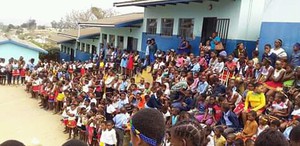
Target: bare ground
{"type": "Point", "coordinates": [23, 120]}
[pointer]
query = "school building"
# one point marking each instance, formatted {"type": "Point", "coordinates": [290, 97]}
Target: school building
{"type": "Point", "coordinates": [168, 22]}
{"type": "Point", "coordinates": [14, 47]}
{"type": "Point", "coordinates": [77, 44]}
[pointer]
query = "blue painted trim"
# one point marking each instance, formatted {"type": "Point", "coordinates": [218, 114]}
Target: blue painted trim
{"type": "Point", "coordinates": [150, 3]}
{"type": "Point", "coordinates": [165, 43]}
{"type": "Point", "coordinates": [64, 56]}
{"type": "Point", "coordinates": [288, 32]}
{"type": "Point", "coordinates": [23, 45]}
{"type": "Point", "coordinates": [231, 45]}
{"type": "Point", "coordinates": [130, 23]}
{"type": "Point", "coordinates": [83, 56]}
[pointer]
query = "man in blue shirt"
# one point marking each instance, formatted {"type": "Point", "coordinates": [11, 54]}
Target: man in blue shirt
{"type": "Point", "coordinates": [120, 121]}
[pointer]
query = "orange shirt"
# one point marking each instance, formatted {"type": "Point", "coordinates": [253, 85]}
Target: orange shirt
{"type": "Point", "coordinates": [141, 102]}
{"type": "Point", "coordinates": [250, 128]}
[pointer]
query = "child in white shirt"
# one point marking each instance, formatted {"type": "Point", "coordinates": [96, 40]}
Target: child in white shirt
{"type": "Point", "coordinates": [108, 135]}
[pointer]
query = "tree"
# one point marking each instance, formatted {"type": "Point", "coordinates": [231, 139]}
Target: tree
{"type": "Point", "coordinates": [71, 19]}
{"type": "Point", "coordinates": [30, 24]}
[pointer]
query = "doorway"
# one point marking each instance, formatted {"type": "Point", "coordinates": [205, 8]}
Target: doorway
{"type": "Point", "coordinates": [72, 55]}
{"type": "Point", "coordinates": [209, 26]}
{"type": "Point", "coordinates": [132, 44]}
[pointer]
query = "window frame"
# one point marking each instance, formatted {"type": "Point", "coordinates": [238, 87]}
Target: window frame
{"type": "Point", "coordinates": [183, 31]}
{"type": "Point", "coordinates": [119, 42]}
{"type": "Point", "coordinates": [151, 29]}
{"type": "Point", "coordinates": [82, 47]}
{"type": "Point", "coordinates": [88, 48]}
{"type": "Point", "coordinates": [164, 29]}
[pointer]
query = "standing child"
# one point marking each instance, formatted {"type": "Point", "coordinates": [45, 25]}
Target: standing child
{"type": "Point", "coordinates": [15, 72]}
{"type": "Point", "coordinates": [108, 136]}
{"type": "Point", "coordinates": [130, 64]}
{"type": "Point", "coordinates": [124, 62]}
{"type": "Point", "coordinates": [22, 73]}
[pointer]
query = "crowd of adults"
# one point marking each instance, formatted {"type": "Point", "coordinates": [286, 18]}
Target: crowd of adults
{"type": "Point", "coordinates": [213, 98]}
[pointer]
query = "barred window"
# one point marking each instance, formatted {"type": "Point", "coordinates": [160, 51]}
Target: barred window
{"type": "Point", "coordinates": [186, 28]}
{"type": "Point", "coordinates": [151, 26]}
{"type": "Point", "coordinates": [167, 27]}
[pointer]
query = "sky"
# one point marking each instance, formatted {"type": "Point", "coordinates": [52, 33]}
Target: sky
{"type": "Point", "coordinates": [45, 11]}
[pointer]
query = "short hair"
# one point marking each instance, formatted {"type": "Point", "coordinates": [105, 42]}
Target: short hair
{"type": "Point", "coordinates": [192, 130]}
{"type": "Point", "coordinates": [253, 114]}
{"type": "Point", "coordinates": [74, 142]}
{"type": "Point", "coordinates": [294, 135]}
{"type": "Point", "coordinates": [239, 142]}
{"type": "Point", "coordinates": [276, 123]}
{"type": "Point", "coordinates": [12, 143]}
{"type": "Point", "coordinates": [271, 137]}
{"type": "Point", "coordinates": [151, 123]}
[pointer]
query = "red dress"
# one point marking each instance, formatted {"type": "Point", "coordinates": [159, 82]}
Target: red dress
{"type": "Point", "coordinates": [130, 62]}
{"type": "Point", "coordinates": [22, 72]}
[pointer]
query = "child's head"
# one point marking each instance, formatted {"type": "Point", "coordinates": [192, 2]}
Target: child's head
{"type": "Point", "coordinates": [250, 63]}
{"type": "Point", "coordinates": [188, 133]}
{"type": "Point", "coordinates": [218, 131]}
{"type": "Point", "coordinates": [275, 124]}
{"type": "Point", "coordinates": [239, 142]}
{"type": "Point", "coordinates": [230, 138]}
{"type": "Point", "coordinates": [263, 120]}
{"type": "Point", "coordinates": [109, 124]}
{"type": "Point", "coordinates": [279, 97]}
{"type": "Point", "coordinates": [147, 127]}
{"type": "Point", "coordinates": [294, 136]}
{"type": "Point", "coordinates": [255, 54]}
{"type": "Point", "coordinates": [252, 115]}
{"type": "Point", "coordinates": [249, 142]}
{"type": "Point", "coordinates": [175, 111]}
{"type": "Point", "coordinates": [271, 137]}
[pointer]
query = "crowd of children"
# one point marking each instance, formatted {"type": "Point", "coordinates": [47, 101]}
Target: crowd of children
{"type": "Point", "coordinates": [210, 99]}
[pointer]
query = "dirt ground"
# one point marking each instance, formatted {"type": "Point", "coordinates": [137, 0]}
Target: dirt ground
{"type": "Point", "coordinates": [23, 120]}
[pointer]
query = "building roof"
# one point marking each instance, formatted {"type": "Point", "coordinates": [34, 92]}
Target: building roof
{"type": "Point", "coordinates": [146, 3]}
{"type": "Point", "coordinates": [72, 34]}
{"type": "Point", "coordinates": [125, 20]}
{"type": "Point", "coordinates": [60, 39]}
{"type": "Point", "coordinates": [84, 32]}
{"type": "Point", "coordinates": [22, 43]}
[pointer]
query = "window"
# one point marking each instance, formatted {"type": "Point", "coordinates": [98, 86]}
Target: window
{"type": "Point", "coordinates": [78, 46]}
{"type": "Point", "coordinates": [112, 40]}
{"type": "Point", "coordinates": [88, 48]}
{"type": "Point", "coordinates": [186, 28]}
{"type": "Point", "coordinates": [151, 26]}
{"type": "Point", "coordinates": [82, 47]}
{"type": "Point", "coordinates": [104, 38]}
{"type": "Point", "coordinates": [65, 49]}
{"type": "Point", "coordinates": [167, 26]}
{"type": "Point", "coordinates": [61, 48]}
{"type": "Point", "coordinates": [68, 51]}
{"type": "Point", "coordinates": [120, 42]}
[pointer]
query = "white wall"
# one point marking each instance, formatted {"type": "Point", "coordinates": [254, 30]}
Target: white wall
{"type": "Point", "coordinates": [125, 32]}
{"type": "Point", "coordinates": [245, 16]}
{"type": "Point", "coordinates": [250, 19]}
{"type": "Point", "coordinates": [9, 50]}
{"type": "Point", "coordinates": [282, 11]}
{"type": "Point", "coordinates": [221, 9]}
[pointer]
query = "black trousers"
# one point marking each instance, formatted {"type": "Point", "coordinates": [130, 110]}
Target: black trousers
{"type": "Point", "coordinates": [9, 77]}
{"type": "Point", "coordinates": [120, 136]}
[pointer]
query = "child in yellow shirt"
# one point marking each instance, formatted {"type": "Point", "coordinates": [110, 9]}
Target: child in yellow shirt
{"type": "Point", "coordinates": [219, 139]}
